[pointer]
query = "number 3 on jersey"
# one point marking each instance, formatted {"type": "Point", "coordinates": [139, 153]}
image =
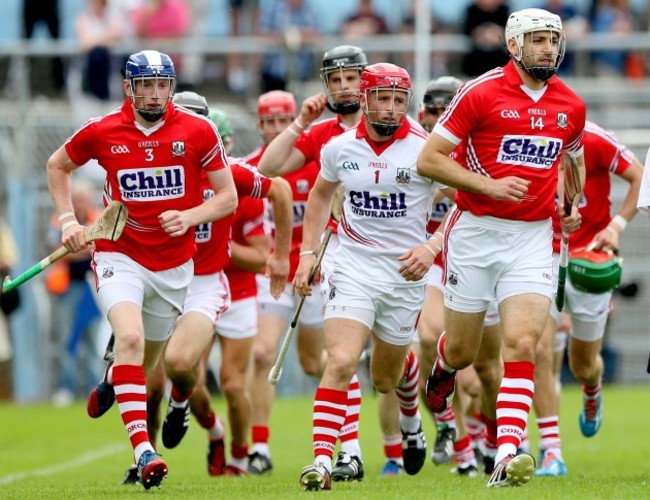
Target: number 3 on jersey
{"type": "Point", "coordinates": [149, 153]}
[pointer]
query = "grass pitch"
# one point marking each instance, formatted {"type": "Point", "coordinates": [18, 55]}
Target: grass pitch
{"type": "Point", "coordinates": [47, 452]}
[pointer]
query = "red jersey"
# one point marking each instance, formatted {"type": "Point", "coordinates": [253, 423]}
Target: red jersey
{"type": "Point", "coordinates": [212, 238]}
{"type": "Point", "coordinates": [509, 130]}
{"type": "Point", "coordinates": [151, 171]}
{"type": "Point", "coordinates": [312, 140]}
{"type": "Point", "coordinates": [248, 221]}
{"type": "Point", "coordinates": [604, 155]}
{"type": "Point", "coordinates": [301, 182]}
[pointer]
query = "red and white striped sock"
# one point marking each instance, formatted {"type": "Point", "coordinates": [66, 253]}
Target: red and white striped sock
{"type": "Point", "coordinates": [446, 417]}
{"type": "Point", "coordinates": [475, 430]}
{"type": "Point", "coordinates": [329, 414]}
{"type": "Point", "coordinates": [442, 361]}
{"type": "Point", "coordinates": [349, 435]}
{"type": "Point", "coordinates": [513, 405]}
{"type": "Point", "coordinates": [407, 395]}
{"type": "Point", "coordinates": [131, 394]}
{"type": "Point", "coordinates": [178, 398]}
{"type": "Point", "coordinates": [260, 438]}
{"type": "Point", "coordinates": [591, 391]}
{"type": "Point", "coordinates": [393, 447]}
{"type": "Point", "coordinates": [490, 432]}
{"type": "Point", "coordinates": [213, 425]}
{"type": "Point", "coordinates": [549, 433]}
{"type": "Point", "coordinates": [239, 457]}
{"type": "Point", "coordinates": [464, 453]}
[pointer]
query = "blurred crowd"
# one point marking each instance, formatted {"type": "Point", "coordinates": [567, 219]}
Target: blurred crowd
{"type": "Point", "coordinates": [106, 28]}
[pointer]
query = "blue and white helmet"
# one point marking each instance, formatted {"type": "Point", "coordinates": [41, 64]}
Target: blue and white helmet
{"type": "Point", "coordinates": [145, 65]}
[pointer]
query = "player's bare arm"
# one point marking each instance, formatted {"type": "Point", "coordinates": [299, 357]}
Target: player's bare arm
{"type": "Point", "coordinates": [319, 206]}
{"type": "Point", "coordinates": [252, 256]}
{"type": "Point", "coordinates": [224, 202]}
{"type": "Point", "coordinates": [607, 239]}
{"type": "Point", "coordinates": [59, 180]}
{"type": "Point", "coordinates": [434, 162]}
{"type": "Point", "coordinates": [277, 265]}
{"type": "Point", "coordinates": [280, 157]}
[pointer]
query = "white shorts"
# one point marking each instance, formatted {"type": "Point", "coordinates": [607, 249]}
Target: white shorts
{"type": "Point", "coordinates": [489, 258]}
{"type": "Point", "coordinates": [311, 314]}
{"type": "Point", "coordinates": [391, 312]}
{"type": "Point", "coordinates": [208, 294]}
{"type": "Point", "coordinates": [588, 311]}
{"type": "Point", "coordinates": [239, 321]}
{"type": "Point", "coordinates": [434, 277]}
{"type": "Point", "coordinates": [160, 294]}
{"type": "Point", "coordinates": [492, 316]}
{"type": "Point", "coordinates": [327, 266]}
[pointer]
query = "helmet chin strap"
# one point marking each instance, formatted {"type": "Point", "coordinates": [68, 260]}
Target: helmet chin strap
{"type": "Point", "coordinates": [385, 129]}
{"type": "Point", "coordinates": [344, 108]}
{"type": "Point", "coordinates": [152, 116]}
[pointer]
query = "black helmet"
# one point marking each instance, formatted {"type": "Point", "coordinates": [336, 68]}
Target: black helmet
{"type": "Point", "coordinates": [340, 58]}
{"type": "Point", "coordinates": [440, 91]}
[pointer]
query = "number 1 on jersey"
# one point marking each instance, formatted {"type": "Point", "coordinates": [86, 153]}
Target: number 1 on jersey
{"type": "Point", "coordinates": [376, 176]}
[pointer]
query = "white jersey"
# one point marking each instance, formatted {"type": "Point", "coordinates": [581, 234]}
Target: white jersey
{"type": "Point", "coordinates": [386, 205]}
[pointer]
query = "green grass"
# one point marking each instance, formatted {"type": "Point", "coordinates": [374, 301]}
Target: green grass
{"type": "Point", "coordinates": [60, 453]}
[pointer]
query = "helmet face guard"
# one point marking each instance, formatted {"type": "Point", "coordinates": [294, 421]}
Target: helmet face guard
{"type": "Point", "coordinates": [148, 68]}
{"type": "Point", "coordinates": [338, 60]}
{"type": "Point", "coordinates": [526, 22]}
{"type": "Point", "coordinates": [594, 271]}
{"type": "Point", "coordinates": [384, 77]}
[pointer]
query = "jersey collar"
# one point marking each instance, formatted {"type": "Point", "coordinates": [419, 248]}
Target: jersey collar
{"type": "Point", "coordinates": [380, 147]}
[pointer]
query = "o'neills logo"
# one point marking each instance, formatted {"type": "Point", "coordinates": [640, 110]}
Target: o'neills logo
{"type": "Point", "coordinates": [529, 151]}
{"type": "Point", "coordinates": [148, 184]}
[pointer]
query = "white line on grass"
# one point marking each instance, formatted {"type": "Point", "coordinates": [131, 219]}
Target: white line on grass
{"type": "Point", "coordinates": [76, 462]}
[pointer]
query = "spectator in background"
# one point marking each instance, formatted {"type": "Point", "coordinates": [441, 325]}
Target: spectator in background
{"type": "Point", "coordinates": [293, 23]}
{"type": "Point", "coordinates": [240, 11]}
{"type": "Point", "coordinates": [612, 17]}
{"type": "Point", "coordinates": [162, 20]}
{"type": "Point", "coordinates": [73, 304]}
{"type": "Point", "coordinates": [484, 23]}
{"type": "Point", "coordinates": [98, 29]}
{"type": "Point", "coordinates": [439, 60]}
{"type": "Point", "coordinates": [364, 22]}
{"type": "Point", "coordinates": [45, 11]}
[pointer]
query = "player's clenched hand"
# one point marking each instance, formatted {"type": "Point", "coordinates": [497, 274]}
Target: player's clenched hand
{"type": "Point", "coordinates": [277, 269]}
{"type": "Point", "coordinates": [74, 238]}
{"type": "Point", "coordinates": [174, 222]}
{"type": "Point", "coordinates": [569, 223]}
{"type": "Point", "coordinates": [300, 282]}
{"type": "Point", "coordinates": [416, 262]}
{"type": "Point", "coordinates": [607, 239]}
{"type": "Point", "coordinates": [312, 108]}
{"type": "Point", "coordinates": [508, 188]}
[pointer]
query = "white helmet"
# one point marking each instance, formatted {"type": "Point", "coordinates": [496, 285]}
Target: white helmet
{"type": "Point", "coordinates": [529, 20]}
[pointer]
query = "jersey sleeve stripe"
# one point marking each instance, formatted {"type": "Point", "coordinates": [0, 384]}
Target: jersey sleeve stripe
{"type": "Point", "coordinates": [473, 163]}
{"type": "Point", "coordinates": [462, 92]}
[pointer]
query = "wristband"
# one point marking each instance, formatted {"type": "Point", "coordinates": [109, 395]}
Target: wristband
{"type": "Point", "coordinates": [292, 131]}
{"type": "Point", "coordinates": [620, 221]}
{"type": "Point", "coordinates": [298, 124]}
{"type": "Point", "coordinates": [65, 215]}
{"type": "Point", "coordinates": [303, 253]}
{"type": "Point", "coordinates": [442, 235]}
{"type": "Point", "coordinates": [68, 224]}
{"type": "Point", "coordinates": [433, 252]}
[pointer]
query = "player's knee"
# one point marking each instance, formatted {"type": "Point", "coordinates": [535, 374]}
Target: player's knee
{"type": "Point", "coordinates": [489, 372]}
{"type": "Point", "coordinates": [263, 357]}
{"type": "Point", "coordinates": [233, 387]}
{"type": "Point", "coordinates": [342, 367]}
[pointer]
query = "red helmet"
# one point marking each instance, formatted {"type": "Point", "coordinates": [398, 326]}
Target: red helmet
{"type": "Point", "coordinates": [384, 76]}
{"type": "Point", "coordinates": [276, 102]}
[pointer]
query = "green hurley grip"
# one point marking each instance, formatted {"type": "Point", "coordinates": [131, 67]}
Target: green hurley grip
{"type": "Point", "coordinates": [10, 285]}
